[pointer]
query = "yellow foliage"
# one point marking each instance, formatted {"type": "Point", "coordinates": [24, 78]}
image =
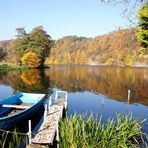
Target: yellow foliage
{"type": "Point", "coordinates": [30, 77]}
{"type": "Point", "coordinates": [110, 61]}
{"type": "Point", "coordinates": [31, 59]}
{"type": "Point", "coordinates": [109, 49]}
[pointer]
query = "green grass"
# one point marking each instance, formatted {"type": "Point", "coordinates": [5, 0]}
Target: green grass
{"type": "Point", "coordinates": [10, 66]}
{"type": "Point", "coordinates": [80, 131]}
{"type": "Point", "coordinates": [11, 140]}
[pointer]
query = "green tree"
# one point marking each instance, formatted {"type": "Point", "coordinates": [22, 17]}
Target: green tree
{"type": "Point", "coordinates": [40, 42]}
{"type": "Point", "coordinates": [37, 41]}
{"type": "Point", "coordinates": [21, 33]}
{"type": "Point", "coordinates": [20, 44]}
{"type": "Point", "coordinates": [142, 31]}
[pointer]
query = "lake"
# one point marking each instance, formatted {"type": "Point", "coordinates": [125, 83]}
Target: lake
{"type": "Point", "coordinates": [91, 89]}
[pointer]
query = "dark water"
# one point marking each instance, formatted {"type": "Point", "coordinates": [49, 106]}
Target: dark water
{"type": "Point", "coordinates": [111, 84]}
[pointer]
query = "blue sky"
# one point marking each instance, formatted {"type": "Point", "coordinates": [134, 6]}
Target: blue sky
{"type": "Point", "coordinates": [59, 18]}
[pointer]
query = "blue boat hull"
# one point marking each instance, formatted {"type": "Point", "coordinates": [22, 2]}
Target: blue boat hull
{"type": "Point", "coordinates": [20, 118]}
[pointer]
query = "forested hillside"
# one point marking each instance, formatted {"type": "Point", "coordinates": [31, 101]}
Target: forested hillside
{"type": "Point", "coordinates": [10, 54]}
{"type": "Point", "coordinates": [115, 48]}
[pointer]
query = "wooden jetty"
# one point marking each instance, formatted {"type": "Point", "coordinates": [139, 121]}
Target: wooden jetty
{"type": "Point", "coordinates": [49, 123]}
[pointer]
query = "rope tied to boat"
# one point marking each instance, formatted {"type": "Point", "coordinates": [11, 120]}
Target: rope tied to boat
{"type": "Point", "coordinates": [14, 132]}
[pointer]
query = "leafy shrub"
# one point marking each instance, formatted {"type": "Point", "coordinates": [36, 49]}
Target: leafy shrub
{"type": "Point", "coordinates": [31, 59]}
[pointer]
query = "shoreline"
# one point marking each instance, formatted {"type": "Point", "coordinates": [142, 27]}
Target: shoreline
{"type": "Point", "coordinates": [13, 66]}
{"type": "Point", "coordinates": [102, 65]}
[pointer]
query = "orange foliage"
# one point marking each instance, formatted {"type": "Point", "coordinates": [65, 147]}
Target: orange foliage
{"type": "Point", "coordinates": [31, 59]}
{"type": "Point", "coordinates": [30, 77]}
{"type": "Point", "coordinates": [115, 46]}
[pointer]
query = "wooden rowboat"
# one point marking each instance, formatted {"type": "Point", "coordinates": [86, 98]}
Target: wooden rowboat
{"type": "Point", "coordinates": [20, 108]}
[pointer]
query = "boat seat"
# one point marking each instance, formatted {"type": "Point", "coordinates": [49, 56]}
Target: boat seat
{"type": "Point", "coordinates": [16, 106]}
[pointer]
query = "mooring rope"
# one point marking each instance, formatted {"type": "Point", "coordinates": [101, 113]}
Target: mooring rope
{"type": "Point", "coordinates": [14, 132]}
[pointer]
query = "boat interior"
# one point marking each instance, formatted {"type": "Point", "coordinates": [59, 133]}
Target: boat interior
{"type": "Point", "coordinates": [16, 104]}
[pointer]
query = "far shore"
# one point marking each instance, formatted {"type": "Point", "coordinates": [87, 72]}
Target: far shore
{"type": "Point", "coordinates": [118, 65]}
{"type": "Point", "coordinates": [14, 66]}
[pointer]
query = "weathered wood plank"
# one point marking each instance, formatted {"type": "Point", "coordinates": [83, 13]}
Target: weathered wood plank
{"type": "Point", "coordinates": [15, 106]}
{"type": "Point", "coordinates": [47, 131]}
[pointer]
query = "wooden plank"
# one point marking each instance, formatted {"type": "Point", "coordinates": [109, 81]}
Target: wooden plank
{"type": "Point", "coordinates": [47, 131]}
{"type": "Point", "coordinates": [14, 106]}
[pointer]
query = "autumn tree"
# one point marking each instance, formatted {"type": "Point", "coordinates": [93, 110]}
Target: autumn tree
{"type": "Point", "coordinates": [142, 31]}
{"type": "Point", "coordinates": [40, 42]}
{"type": "Point", "coordinates": [37, 41]}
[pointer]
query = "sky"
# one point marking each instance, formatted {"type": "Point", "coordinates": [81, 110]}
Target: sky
{"type": "Point", "coordinates": [59, 18]}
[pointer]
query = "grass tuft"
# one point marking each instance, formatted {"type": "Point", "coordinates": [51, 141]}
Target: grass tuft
{"type": "Point", "coordinates": [89, 132]}
{"type": "Point", "coordinates": [11, 140]}
{"type": "Point", "coordinates": [9, 66]}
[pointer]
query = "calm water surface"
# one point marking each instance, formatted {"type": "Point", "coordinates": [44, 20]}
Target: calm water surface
{"type": "Point", "coordinates": [101, 90]}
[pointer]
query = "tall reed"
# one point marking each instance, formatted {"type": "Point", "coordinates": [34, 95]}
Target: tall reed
{"type": "Point", "coordinates": [80, 131]}
{"type": "Point", "coordinates": [11, 140]}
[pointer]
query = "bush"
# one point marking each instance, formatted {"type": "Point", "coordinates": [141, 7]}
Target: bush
{"type": "Point", "coordinates": [31, 59]}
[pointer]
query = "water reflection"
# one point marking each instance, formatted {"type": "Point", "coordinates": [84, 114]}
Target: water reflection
{"type": "Point", "coordinates": [26, 81]}
{"type": "Point", "coordinates": [31, 77]}
{"type": "Point", "coordinates": [113, 82]}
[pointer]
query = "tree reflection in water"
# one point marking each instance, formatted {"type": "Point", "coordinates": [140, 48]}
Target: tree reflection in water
{"type": "Point", "coordinates": [32, 80]}
{"type": "Point", "coordinates": [113, 82]}
{"type": "Point", "coordinates": [31, 77]}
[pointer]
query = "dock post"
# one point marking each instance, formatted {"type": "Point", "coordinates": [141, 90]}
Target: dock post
{"type": "Point", "coordinates": [45, 112]}
{"type": "Point", "coordinates": [129, 94]}
{"type": "Point", "coordinates": [57, 132]}
{"type": "Point", "coordinates": [49, 104]}
{"type": "Point", "coordinates": [102, 100]}
{"type": "Point", "coordinates": [61, 113]}
{"type": "Point", "coordinates": [56, 95]}
{"type": "Point", "coordinates": [66, 100]}
{"type": "Point", "coordinates": [29, 131]}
